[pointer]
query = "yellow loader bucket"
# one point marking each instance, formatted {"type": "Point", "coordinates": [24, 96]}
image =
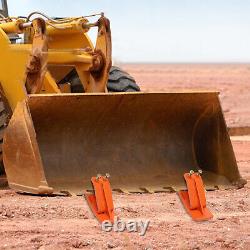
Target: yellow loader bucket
{"type": "Point", "coordinates": [145, 141]}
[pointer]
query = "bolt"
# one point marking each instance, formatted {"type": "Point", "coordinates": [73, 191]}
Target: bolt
{"type": "Point", "coordinates": [98, 177]}
{"type": "Point", "coordinates": [191, 172]}
{"type": "Point", "coordinates": [200, 172]}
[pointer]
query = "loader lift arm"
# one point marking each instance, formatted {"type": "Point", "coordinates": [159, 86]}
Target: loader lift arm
{"type": "Point", "coordinates": [44, 58]}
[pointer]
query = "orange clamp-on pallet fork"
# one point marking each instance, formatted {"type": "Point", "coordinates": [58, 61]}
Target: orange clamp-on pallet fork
{"type": "Point", "coordinates": [194, 199]}
{"type": "Point", "coordinates": [101, 202]}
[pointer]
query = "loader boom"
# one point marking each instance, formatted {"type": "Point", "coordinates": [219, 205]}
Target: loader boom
{"type": "Point", "coordinates": [51, 50]}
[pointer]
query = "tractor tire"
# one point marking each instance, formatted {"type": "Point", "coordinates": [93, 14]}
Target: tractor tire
{"type": "Point", "coordinates": [119, 81]}
{"type": "Point", "coordinates": [3, 121]}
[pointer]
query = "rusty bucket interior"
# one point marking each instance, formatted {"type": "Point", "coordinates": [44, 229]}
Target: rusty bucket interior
{"type": "Point", "coordinates": [145, 141]}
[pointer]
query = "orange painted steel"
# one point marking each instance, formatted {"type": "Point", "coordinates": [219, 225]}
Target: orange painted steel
{"type": "Point", "coordinates": [101, 203]}
{"type": "Point", "coordinates": [194, 199]}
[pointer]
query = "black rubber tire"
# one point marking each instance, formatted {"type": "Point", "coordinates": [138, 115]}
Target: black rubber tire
{"type": "Point", "coordinates": [3, 120]}
{"type": "Point", "coordinates": [119, 81]}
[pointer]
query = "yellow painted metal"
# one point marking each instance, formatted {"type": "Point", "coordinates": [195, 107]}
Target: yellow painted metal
{"type": "Point", "coordinates": [72, 41]}
{"type": "Point", "coordinates": [75, 40]}
{"type": "Point", "coordinates": [104, 45]}
{"type": "Point", "coordinates": [13, 69]}
{"type": "Point", "coordinates": [49, 84]}
{"type": "Point", "coordinates": [73, 27]}
{"type": "Point", "coordinates": [69, 57]}
{"type": "Point", "coordinates": [66, 43]}
{"type": "Point", "coordinates": [62, 41]}
{"type": "Point", "coordinates": [12, 27]}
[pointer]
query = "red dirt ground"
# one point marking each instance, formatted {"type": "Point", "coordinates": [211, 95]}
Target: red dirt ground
{"type": "Point", "coordinates": [232, 80]}
{"type": "Point", "coordinates": [31, 222]}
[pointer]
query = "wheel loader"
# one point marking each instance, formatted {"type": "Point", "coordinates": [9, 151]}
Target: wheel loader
{"type": "Point", "coordinates": [69, 115]}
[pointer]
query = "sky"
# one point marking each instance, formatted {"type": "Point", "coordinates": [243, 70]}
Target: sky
{"type": "Point", "coordinates": [160, 31]}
